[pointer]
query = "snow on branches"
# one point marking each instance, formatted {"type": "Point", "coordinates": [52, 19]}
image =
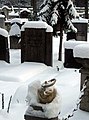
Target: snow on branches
{"type": "Point", "coordinates": [58, 11]}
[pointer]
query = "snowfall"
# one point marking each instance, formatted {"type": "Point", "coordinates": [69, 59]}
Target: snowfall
{"type": "Point", "coordinates": [15, 78]}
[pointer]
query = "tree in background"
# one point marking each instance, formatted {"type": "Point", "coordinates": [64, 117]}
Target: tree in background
{"type": "Point", "coordinates": [58, 14]}
{"type": "Point", "coordinates": [11, 3]}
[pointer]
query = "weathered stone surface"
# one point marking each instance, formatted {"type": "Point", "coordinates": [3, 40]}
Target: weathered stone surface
{"type": "Point", "coordinates": [38, 118]}
{"type": "Point", "coordinates": [84, 104]}
{"type": "Point", "coordinates": [36, 46]}
{"type": "Point", "coordinates": [4, 50]}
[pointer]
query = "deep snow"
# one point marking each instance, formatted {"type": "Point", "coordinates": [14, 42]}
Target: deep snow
{"type": "Point", "coordinates": [15, 78]}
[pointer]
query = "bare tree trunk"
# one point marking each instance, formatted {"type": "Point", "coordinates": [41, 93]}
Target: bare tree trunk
{"type": "Point", "coordinates": [33, 3]}
{"type": "Point", "coordinates": [86, 9]}
{"type": "Point", "coordinates": [86, 13]}
{"type": "Point", "coordinates": [60, 45]}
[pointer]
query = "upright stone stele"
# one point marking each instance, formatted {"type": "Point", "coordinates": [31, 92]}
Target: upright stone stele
{"type": "Point", "coordinates": [36, 42]}
{"type": "Point", "coordinates": [82, 25]}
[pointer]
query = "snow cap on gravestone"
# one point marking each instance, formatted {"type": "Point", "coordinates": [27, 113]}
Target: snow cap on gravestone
{"type": "Point", "coordinates": [37, 24]}
{"type": "Point", "coordinates": [3, 32]}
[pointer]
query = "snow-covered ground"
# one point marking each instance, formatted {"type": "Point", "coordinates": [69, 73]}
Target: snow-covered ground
{"type": "Point", "coordinates": [15, 77]}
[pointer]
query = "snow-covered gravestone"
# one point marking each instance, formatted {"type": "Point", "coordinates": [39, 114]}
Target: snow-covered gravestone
{"type": "Point", "coordinates": [43, 101]}
{"type": "Point", "coordinates": [14, 36]}
{"type": "Point", "coordinates": [13, 14]}
{"type": "Point", "coordinates": [69, 60]}
{"type": "Point", "coordinates": [2, 21]}
{"type": "Point", "coordinates": [36, 42]}
{"type": "Point", "coordinates": [4, 50]}
{"type": "Point", "coordinates": [25, 13]}
{"type": "Point", "coordinates": [81, 24]}
{"type": "Point", "coordinates": [15, 32]}
{"type": "Point", "coordinates": [6, 10]}
{"type": "Point", "coordinates": [81, 54]}
{"type": "Point", "coordinates": [81, 34]}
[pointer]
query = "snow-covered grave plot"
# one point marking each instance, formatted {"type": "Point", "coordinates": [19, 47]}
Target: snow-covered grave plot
{"type": "Point", "coordinates": [68, 85]}
{"type": "Point", "coordinates": [22, 72]}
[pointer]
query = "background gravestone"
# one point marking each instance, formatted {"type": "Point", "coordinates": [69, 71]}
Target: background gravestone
{"type": "Point", "coordinates": [25, 13]}
{"type": "Point", "coordinates": [36, 43]}
{"type": "Point", "coordinates": [4, 50]}
{"type": "Point", "coordinates": [81, 36]}
{"type": "Point", "coordinates": [82, 27]}
{"type": "Point", "coordinates": [2, 21]}
{"type": "Point", "coordinates": [79, 3]}
{"type": "Point", "coordinates": [15, 32]}
{"type": "Point", "coordinates": [69, 60]}
{"type": "Point", "coordinates": [5, 11]}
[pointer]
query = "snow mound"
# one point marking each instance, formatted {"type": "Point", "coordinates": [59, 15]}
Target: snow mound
{"type": "Point", "coordinates": [20, 95]}
{"type": "Point", "coordinates": [22, 72]}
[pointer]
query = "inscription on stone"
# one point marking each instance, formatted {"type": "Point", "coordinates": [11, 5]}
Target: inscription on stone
{"type": "Point", "coordinates": [37, 37]}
